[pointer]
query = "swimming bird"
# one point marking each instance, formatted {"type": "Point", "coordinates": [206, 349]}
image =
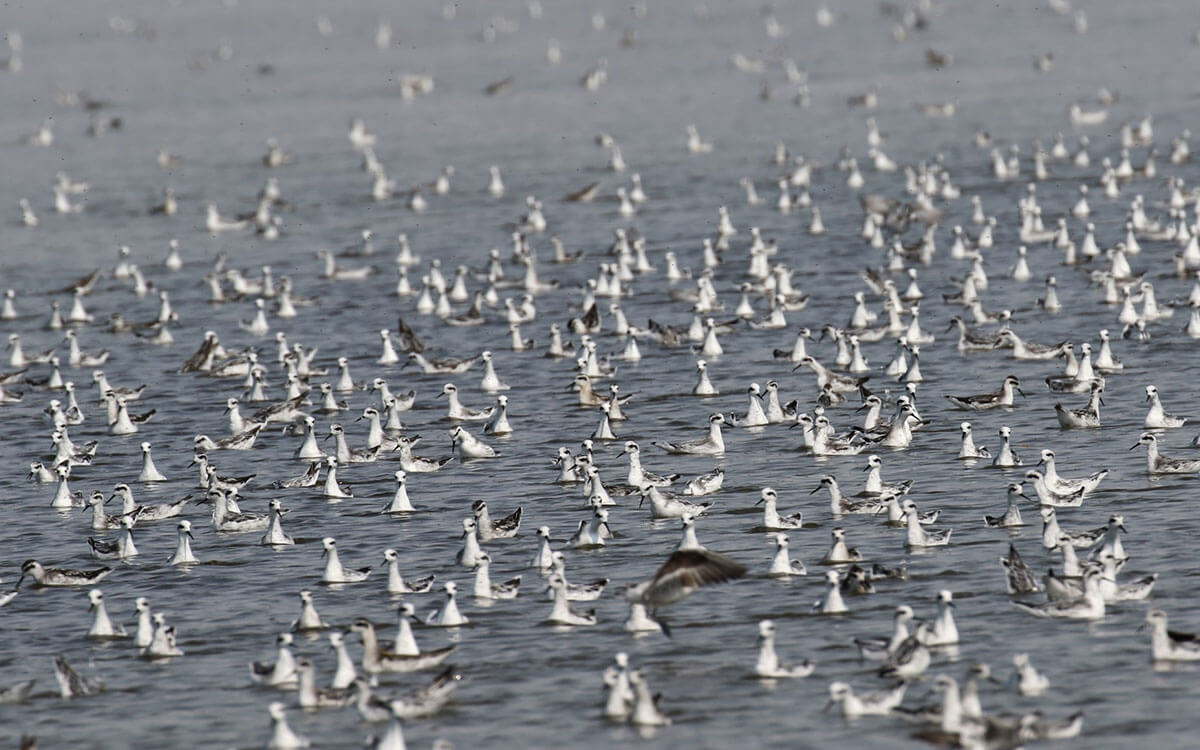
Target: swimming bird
{"type": "Point", "coordinates": [772, 521]}
{"type": "Point", "coordinates": [470, 446]}
{"type": "Point", "coordinates": [503, 528]}
{"type": "Point", "coordinates": [102, 626]}
{"type": "Point", "coordinates": [121, 549]}
{"type": "Point", "coordinates": [1012, 513]}
{"type": "Point", "coordinates": [448, 616]}
{"type": "Point", "coordinates": [1156, 417]}
{"type": "Point", "coordinates": [646, 712]}
{"type": "Point", "coordinates": [967, 448]}
{"type": "Point", "coordinates": [918, 535]}
{"type": "Point", "coordinates": [665, 506]}
{"type": "Point", "coordinates": [768, 665]}
{"type": "Point", "coordinates": [909, 659]}
{"type": "Point", "coordinates": [312, 697]}
{"type": "Point", "coordinates": [283, 737]}
{"type": "Point", "coordinates": [230, 521]}
{"type": "Point", "coordinates": [162, 642]}
{"type": "Point", "coordinates": [376, 660]}
{"type": "Point", "coordinates": [1000, 399]}
{"type": "Point", "coordinates": [853, 704]}
{"type": "Point", "coordinates": [281, 672]}
{"type": "Point", "coordinates": [1088, 416]}
{"type": "Point", "coordinates": [1170, 645]}
{"type": "Point", "coordinates": [1090, 606]}
{"type": "Point", "coordinates": [879, 649]}
{"type": "Point", "coordinates": [713, 445]}
{"type": "Point", "coordinates": [1019, 578]}
{"type": "Point", "coordinates": [1156, 463]}
{"type": "Point", "coordinates": [71, 684]}
{"type": "Point", "coordinates": [334, 572]}
{"type": "Point", "coordinates": [1060, 484]}
{"type": "Point", "coordinates": [838, 551]}
{"type": "Point", "coordinates": [705, 484]}
{"type": "Point", "coordinates": [183, 549]}
{"type": "Point", "coordinates": [333, 488]}
{"type": "Point", "coordinates": [832, 603]}
{"type": "Point", "coordinates": [417, 464]}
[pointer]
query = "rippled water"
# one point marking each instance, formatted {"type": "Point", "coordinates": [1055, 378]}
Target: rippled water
{"type": "Point", "coordinates": [527, 685]}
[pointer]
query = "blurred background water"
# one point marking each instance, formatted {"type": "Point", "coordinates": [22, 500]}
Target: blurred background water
{"type": "Point", "coordinates": [211, 81]}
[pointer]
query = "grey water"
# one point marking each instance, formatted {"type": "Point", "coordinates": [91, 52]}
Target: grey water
{"type": "Point", "coordinates": [156, 66]}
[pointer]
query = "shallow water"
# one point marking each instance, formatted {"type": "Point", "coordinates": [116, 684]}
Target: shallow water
{"type": "Point", "coordinates": [527, 685]}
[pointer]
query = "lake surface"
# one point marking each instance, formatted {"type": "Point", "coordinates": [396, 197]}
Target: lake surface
{"type": "Point", "coordinates": [157, 67]}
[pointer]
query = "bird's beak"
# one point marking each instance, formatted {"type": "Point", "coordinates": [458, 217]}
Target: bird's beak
{"type": "Point", "coordinates": [827, 706]}
{"type": "Point", "coordinates": [1023, 393]}
{"type": "Point", "coordinates": [815, 490]}
{"type": "Point", "coordinates": [443, 393]}
{"type": "Point", "coordinates": [797, 367]}
{"type": "Point", "coordinates": [189, 535]}
{"type": "Point", "coordinates": [359, 418]}
{"type": "Point", "coordinates": [1121, 526]}
{"type": "Point", "coordinates": [1134, 446]}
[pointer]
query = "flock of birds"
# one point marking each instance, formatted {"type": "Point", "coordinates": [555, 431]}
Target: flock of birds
{"type": "Point", "coordinates": [855, 395]}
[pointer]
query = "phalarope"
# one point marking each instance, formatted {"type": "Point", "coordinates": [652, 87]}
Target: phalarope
{"type": "Point", "coordinates": [665, 506]}
{"type": "Point", "coordinates": [967, 448]}
{"type": "Point", "coordinates": [684, 572]}
{"type": "Point", "coordinates": [442, 365]}
{"type": "Point", "coordinates": [281, 672]}
{"type": "Point", "coordinates": [1029, 681]}
{"type": "Point", "coordinates": [1156, 417]}
{"type": "Point", "coordinates": [1012, 513]}
{"type": "Point", "coordinates": [713, 445]}
{"type": "Point", "coordinates": [1053, 498]}
{"type": "Point", "coordinates": [768, 665]}
{"type": "Point", "coordinates": [1059, 484]}
{"type": "Point", "coordinates": [448, 615]}
{"type": "Point", "coordinates": [1088, 416]}
{"type": "Point", "coordinates": [577, 592]}
{"type": "Point", "coordinates": [227, 520]}
{"type": "Point", "coordinates": [162, 642]}
{"type": "Point", "coordinates": [312, 697]}
{"type": "Point", "coordinates": [283, 737]}
{"type": "Point", "coordinates": [71, 684]}
{"type": "Point", "coordinates": [782, 566]}
{"type": "Point", "coordinates": [1090, 606]}
{"type": "Point", "coordinates": [470, 446]}
{"type": "Point", "coordinates": [183, 549]}
{"type": "Point", "coordinates": [1170, 645]}
{"type": "Point", "coordinates": [639, 477]}
{"type": "Point", "coordinates": [470, 550]}
{"type": "Point", "coordinates": [918, 535]}
{"type": "Point", "coordinates": [879, 649]}
{"type": "Point", "coordinates": [839, 504]}
{"type": "Point", "coordinates": [911, 658]}
{"type": "Point", "coordinates": [772, 521]}
{"type": "Point", "coordinates": [121, 549]}
{"type": "Point", "coordinates": [334, 572]}
{"type": "Point", "coordinates": [1006, 457]}
{"type": "Point", "coordinates": [705, 484]}
{"type": "Point", "coordinates": [853, 704]}
{"type": "Point", "coordinates": [334, 489]}
{"type": "Point", "coordinates": [417, 464]}
{"type": "Point", "coordinates": [838, 551]}
{"type": "Point", "coordinates": [1157, 463]}
{"type": "Point", "coordinates": [1019, 578]}
{"type": "Point", "coordinates": [101, 521]}
{"type": "Point", "coordinates": [485, 589]}
{"type": "Point", "coordinates": [102, 625]}
{"type": "Point", "coordinates": [503, 528]}
{"type": "Point", "coordinates": [1002, 398]}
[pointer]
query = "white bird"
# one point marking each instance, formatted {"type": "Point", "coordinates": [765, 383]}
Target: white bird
{"type": "Point", "coordinates": [183, 550]}
{"type": "Point", "coordinates": [334, 572]}
{"type": "Point", "coordinates": [768, 665]}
